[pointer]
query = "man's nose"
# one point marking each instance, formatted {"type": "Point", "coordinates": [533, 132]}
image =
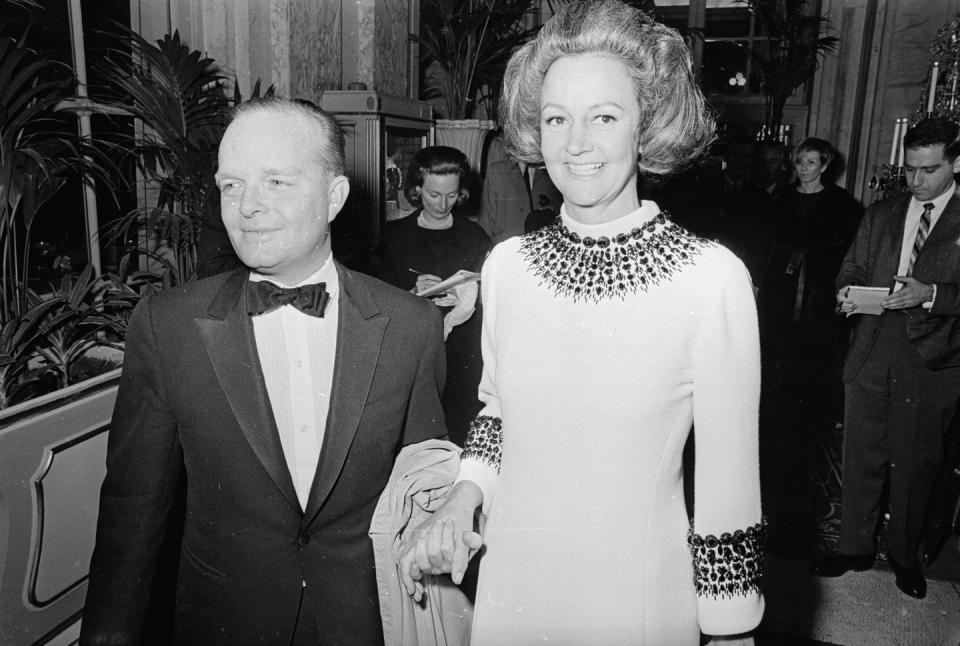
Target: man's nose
{"type": "Point", "coordinates": [250, 203]}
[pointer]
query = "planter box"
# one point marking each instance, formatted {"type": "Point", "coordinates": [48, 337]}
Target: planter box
{"type": "Point", "coordinates": [52, 462]}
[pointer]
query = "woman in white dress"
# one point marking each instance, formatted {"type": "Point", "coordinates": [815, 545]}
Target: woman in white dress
{"type": "Point", "coordinates": [606, 337]}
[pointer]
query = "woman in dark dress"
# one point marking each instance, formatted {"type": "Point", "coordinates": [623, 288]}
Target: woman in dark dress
{"type": "Point", "coordinates": [431, 244]}
{"type": "Point", "coordinates": [816, 222]}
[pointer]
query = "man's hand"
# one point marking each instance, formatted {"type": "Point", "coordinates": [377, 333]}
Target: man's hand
{"type": "Point", "coordinates": [844, 304]}
{"type": "Point", "coordinates": [912, 294]}
{"type": "Point", "coordinates": [445, 542]}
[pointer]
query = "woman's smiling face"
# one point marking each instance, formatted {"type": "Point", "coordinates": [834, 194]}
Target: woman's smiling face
{"type": "Point", "coordinates": [589, 120]}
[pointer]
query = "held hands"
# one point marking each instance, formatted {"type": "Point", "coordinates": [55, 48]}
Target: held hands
{"type": "Point", "coordinates": [912, 294]}
{"type": "Point", "coordinates": [445, 543]}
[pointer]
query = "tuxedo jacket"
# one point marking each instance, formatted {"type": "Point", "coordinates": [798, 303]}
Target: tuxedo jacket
{"type": "Point", "coordinates": [873, 259]}
{"type": "Point", "coordinates": [192, 393]}
{"type": "Point", "coordinates": [505, 202]}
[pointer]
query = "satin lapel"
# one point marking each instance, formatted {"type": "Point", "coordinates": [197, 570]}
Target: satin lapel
{"type": "Point", "coordinates": [360, 331]}
{"type": "Point", "coordinates": [227, 333]}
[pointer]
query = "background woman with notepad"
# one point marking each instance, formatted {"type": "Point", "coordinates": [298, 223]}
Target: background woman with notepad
{"type": "Point", "coordinates": [431, 244]}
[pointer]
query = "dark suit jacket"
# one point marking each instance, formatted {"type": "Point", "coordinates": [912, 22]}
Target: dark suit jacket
{"type": "Point", "coordinates": [505, 201]}
{"type": "Point", "coordinates": [873, 259]}
{"type": "Point", "coordinates": [192, 393]}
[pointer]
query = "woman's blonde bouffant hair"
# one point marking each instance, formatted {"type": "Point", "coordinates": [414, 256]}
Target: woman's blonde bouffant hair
{"type": "Point", "coordinates": [675, 125]}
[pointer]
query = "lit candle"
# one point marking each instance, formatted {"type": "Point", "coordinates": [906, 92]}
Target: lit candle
{"type": "Point", "coordinates": [893, 144]}
{"type": "Point", "coordinates": [953, 82]}
{"type": "Point", "coordinates": [903, 133]}
{"type": "Point", "coordinates": [933, 86]}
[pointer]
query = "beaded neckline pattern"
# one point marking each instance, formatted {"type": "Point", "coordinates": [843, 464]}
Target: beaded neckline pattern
{"type": "Point", "coordinates": [597, 269]}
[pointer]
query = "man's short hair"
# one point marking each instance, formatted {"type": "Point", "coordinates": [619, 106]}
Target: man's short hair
{"type": "Point", "coordinates": [330, 134]}
{"type": "Point", "coordinates": [933, 131]}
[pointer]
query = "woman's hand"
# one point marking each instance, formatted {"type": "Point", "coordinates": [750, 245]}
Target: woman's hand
{"type": "Point", "coordinates": [445, 542]}
{"type": "Point", "coordinates": [425, 281]}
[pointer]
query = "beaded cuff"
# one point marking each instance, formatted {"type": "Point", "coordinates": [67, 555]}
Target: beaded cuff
{"type": "Point", "coordinates": [484, 441]}
{"type": "Point", "coordinates": [729, 566]}
{"type": "Point", "coordinates": [595, 269]}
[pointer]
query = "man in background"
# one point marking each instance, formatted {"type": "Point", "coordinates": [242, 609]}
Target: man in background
{"type": "Point", "coordinates": [514, 194]}
{"type": "Point", "coordinates": [902, 370]}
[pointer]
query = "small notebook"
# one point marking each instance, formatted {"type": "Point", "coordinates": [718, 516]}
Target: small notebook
{"type": "Point", "coordinates": [462, 276]}
{"type": "Point", "coordinates": [869, 300]}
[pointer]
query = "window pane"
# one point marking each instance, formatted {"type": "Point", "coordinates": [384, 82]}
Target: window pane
{"type": "Point", "coordinates": [728, 22]}
{"type": "Point", "coordinates": [675, 15]}
{"type": "Point", "coordinates": [725, 67]}
{"type": "Point", "coordinates": [98, 30]}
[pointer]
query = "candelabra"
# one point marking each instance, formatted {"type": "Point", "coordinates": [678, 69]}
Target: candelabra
{"type": "Point", "coordinates": [889, 181]}
{"type": "Point", "coordinates": [938, 98]}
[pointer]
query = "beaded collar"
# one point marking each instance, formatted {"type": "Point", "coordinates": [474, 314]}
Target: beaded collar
{"type": "Point", "coordinates": [603, 268]}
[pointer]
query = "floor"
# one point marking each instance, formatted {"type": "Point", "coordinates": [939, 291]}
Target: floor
{"type": "Point", "coordinates": [801, 476]}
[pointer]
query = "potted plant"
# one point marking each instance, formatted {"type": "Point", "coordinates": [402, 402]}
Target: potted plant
{"type": "Point", "coordinates": [38, 151]}
{"type": "Point", "coordinates": [177, 96]}
{"type": "Point", "coordinates": [796, 49]}
{"type": "Point", "coordinates": [465, 46]}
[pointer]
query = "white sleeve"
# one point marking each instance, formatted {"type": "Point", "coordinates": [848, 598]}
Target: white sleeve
{"type": "Point", "coordinates": [480, 460]}
{"type": "Point", "coordinates": [726, 539]}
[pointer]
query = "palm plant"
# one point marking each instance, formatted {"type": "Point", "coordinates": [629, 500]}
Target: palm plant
{"type": "Point", "coordinates": [74, 325]}
{"type": "Point", "coordinates": [19, 338]}
{"type": "Point", "coordinates": [177, 94]}
{"type": "Point", "coordinates": [37, 152]}
{"type": "Point", "coordinates": [471, 42]}
{"type": "Point", "coordinates": [797, 48]}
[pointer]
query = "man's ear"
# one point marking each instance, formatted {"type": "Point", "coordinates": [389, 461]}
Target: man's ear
{"type": "Point", "coordinates": [337, 193]}
{"type": "Point", "coordinates": [956, 165]}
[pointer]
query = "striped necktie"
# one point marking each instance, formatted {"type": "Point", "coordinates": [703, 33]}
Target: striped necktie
{"type": "Point", "coordinates": [922, 232]}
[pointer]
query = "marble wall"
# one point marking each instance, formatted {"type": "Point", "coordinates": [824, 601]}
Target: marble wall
{"type": "Point", "coordinates": [315, 58]}
{"type": "Point", "coordinates": [301, 46]}
{"type": "Point", "coordinates": [876, 75]}
{"type": "Point", "coordinates": [391, 47]}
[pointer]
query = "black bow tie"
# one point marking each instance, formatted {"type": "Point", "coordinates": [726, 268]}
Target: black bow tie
{"type": "Point", "coordinates": [264, 296]}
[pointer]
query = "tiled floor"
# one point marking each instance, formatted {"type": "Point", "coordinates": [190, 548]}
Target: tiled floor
{"type": "Point", "coordinates": [800, 472]}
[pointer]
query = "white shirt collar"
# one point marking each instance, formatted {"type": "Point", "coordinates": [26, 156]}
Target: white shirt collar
{"type": "Point", "coordinates": [647, 211]}
{"type": "Point", "coordinates": [939, 202]}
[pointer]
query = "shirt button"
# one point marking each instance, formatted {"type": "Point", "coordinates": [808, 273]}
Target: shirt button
{"type": "Point", "coordinates": [303, 540]}
{"type": "Point", "coordinates": [304, 428]}
{"type": "Point", "coordinates": [299, 363]}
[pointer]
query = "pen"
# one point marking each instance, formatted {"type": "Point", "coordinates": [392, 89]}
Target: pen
{"type": "Point", "coordinates": [414, 271]}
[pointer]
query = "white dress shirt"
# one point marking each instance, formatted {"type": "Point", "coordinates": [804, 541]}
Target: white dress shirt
{"type": "Point", "coordinates": [912, 225]}
{"type": "Point", "coordinates": [297, 354]}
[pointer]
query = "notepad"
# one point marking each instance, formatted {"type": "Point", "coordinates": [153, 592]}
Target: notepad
{"type": "Point", "coordinates": [869, 300]}
{"type": "Point", "coordinates": [462, 276]}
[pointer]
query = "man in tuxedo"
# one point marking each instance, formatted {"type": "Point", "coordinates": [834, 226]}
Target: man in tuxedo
{"type": "Point", "coordinates": [514, 194]}
{"type": "Point", "coordinates": [902, 370]}
{"type": "Point", "coordinates": [283, 390]}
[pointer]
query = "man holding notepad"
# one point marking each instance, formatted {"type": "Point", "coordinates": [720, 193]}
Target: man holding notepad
{"type": "Point", "coordinates": [902, 370]}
